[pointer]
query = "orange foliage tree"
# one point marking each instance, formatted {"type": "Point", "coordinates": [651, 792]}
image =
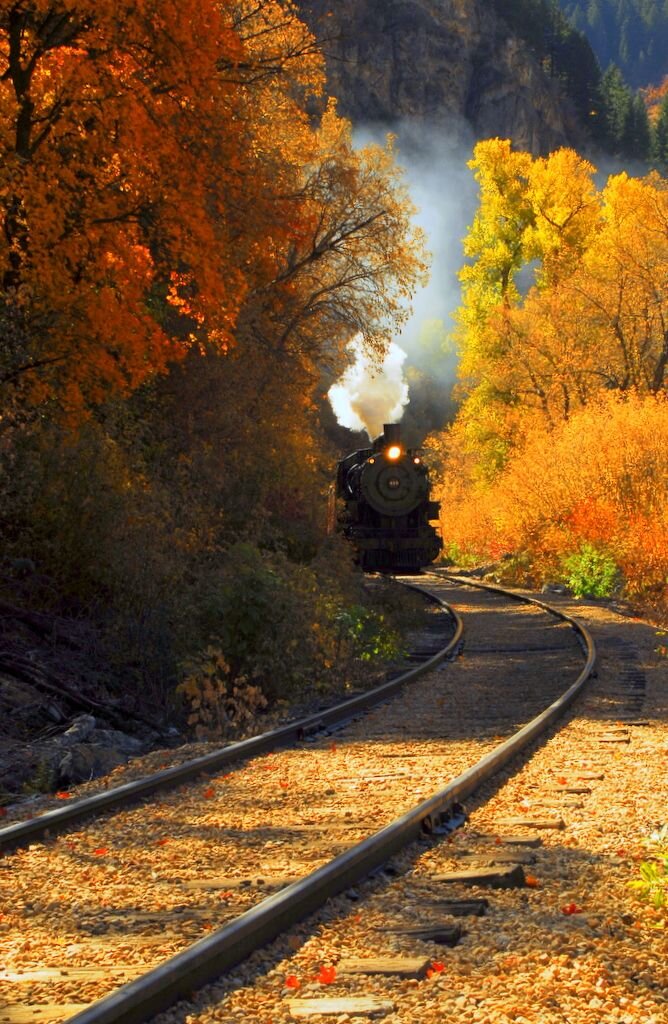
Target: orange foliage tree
{"type": "Point", "coordinates": [564, 303]}
{"type": "Point", "coordinates": [153, 179]}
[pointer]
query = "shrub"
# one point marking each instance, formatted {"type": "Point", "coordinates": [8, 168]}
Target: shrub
{"type": "Point", "coordinates": [652, 885]}
{"type": "Point", "coordinates": [592, 490]}
{"type": "Point", "coordinates": [590, 572]}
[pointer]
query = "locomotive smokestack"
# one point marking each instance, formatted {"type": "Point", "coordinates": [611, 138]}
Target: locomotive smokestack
{"type": "Point", "coordinates": [392, 433]}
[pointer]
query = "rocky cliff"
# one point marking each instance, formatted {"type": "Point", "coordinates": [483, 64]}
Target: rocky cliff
{"type": "Point", "coordinates": [444, 62]}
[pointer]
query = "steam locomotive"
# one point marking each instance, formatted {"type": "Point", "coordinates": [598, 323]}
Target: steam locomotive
{"type": "Point", "coordinates": [386, 508]}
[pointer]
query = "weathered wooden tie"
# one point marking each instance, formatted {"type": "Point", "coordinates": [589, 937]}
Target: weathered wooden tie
{"type": "Point", "coordinates": [401, 967]}
{"type": "Point", "coordinates": [359, 1006]}
{"type": "Point", "coordinates": [495, 878]}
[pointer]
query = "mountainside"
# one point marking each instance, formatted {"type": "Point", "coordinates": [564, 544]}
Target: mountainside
{"type": "Point", "coordinates": [441, 62]}
{"type": "Point", "coordinates": [633, 34]}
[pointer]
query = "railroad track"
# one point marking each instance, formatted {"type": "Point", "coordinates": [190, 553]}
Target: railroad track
{"type": "Point", "coordinates": [182, 889]}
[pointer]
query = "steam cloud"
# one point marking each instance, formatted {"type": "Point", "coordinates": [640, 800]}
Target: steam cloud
{"type": "Point", "coordinates": [434, 159]}
{"type": "Point", "coordinates": [367, 396]}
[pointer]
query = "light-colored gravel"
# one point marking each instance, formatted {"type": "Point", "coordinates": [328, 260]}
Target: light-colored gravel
{"type": "Point", "coordinates": [129, 880]}
{"type": "Point", "coordinates": [527, 961]}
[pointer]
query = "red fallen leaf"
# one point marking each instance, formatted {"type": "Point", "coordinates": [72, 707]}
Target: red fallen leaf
{"type": "Point", "coordinates": [209, 792]}
{"type": "Point", "coordinates": [621, 852]}
{"type": "Point", "coordinates": [327, 975]}
{"type": "Point", "coordinates": [571, 908]}
{"type": "Point", "coordinates": [3, 812]}
{"type": "Point", "coordinates": [226, 895]}
{"type": "Point", "coordinates": [292, 981]}
{"type": "Point", "coordinates": [101, 851]}
{"type": "Point", "coordinates": [561, 780]}
{"type": "Point", "coordinates": [283, 784]}
{"type": "Point", "coordinates": [161, 842]}
{"type": "Point", "coordinates": [532, 882]}
{"type": "Point", "coordinates": [62, 795]}
{"type": "Point", "coordinates": [437, 966]}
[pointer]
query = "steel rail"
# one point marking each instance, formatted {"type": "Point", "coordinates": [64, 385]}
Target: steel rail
{"type": "Point", "coordinates": [51, 822]}
{"type": "Point", "coordinates": [139, 1000]}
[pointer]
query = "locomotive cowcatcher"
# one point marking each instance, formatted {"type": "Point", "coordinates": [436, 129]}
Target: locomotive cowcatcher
{"type": "Point", "coordinates": [386, 505]}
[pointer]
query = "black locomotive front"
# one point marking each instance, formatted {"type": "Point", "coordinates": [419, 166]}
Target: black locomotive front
{"type": "Point", "coordinates": [387, 509]}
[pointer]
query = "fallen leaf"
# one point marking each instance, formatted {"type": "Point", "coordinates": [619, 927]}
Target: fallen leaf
{"type": "Point", "coordinates": [62, 795]}
{"type": "Point", "coordinates": [209, 792]}
{"type": "Point", "coordinates": [571, 908]}
{"type": "Point", "coordinates": [532, 881]}
{"type": "Point", "coordinates": [3, 812]}
{"type": "Point", "coordinates": [327, 975]}
{"type": "Point", "coordinates": [101, 851]}
{"type": "Point", "coordinates": [437, 966]}
{"type": "Point", "coordinates": [292, 981]}
{"type": "Point", "coordinates": [161, 842]}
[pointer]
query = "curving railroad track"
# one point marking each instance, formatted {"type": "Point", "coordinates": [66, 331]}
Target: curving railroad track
{"type": "Point", "coordinates": [133, 910]}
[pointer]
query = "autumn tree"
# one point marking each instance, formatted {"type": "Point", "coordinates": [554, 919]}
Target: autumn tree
{"type": "Point", "coordinates": [137, 208]}
{"type": "Point", "coordinates": [191, 238]}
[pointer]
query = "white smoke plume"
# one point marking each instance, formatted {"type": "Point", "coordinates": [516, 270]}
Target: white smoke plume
{"type": "Point", "coordinates": [367, 396]}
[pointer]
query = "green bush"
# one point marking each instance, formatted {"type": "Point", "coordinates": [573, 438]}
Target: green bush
{"type": "Point", "coordinates": [652, 886]}
{"type": "Point", "coordinates": [590, 572]}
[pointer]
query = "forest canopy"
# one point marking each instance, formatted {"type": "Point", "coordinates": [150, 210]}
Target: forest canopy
{"type": "Point", "coordinates": [189, 240]}
{"type": "Point", "coordinates": [563, 337]}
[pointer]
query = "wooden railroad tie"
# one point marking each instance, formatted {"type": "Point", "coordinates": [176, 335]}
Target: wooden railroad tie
{"type": "Point", "coordinates": [495, 878]}
{"type": "Point", "coordinates": [398, 966]}
{"type": "Point", "coordinates": [487, 858]}
{"type": "Point", "coordinates": [527, 841]}
{"type": "Point", "coordinates": [444, 933]}
{"type": "Point", "coordinates": [533, 822]}
{"type": "Point", "coordinates": [360, 1006]}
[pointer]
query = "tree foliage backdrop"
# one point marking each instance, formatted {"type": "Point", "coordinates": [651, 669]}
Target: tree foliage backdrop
{"type": "Point", "coordinates": [189, 240]}
{"type": "Point", "coordinates": [563, 335]}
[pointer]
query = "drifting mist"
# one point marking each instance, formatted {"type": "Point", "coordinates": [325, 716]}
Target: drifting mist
{"type": "Point", "coordinates": [444, 191]}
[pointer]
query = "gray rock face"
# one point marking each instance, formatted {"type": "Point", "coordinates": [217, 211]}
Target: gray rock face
{"type": "Point", "coordinates": [442, 62]}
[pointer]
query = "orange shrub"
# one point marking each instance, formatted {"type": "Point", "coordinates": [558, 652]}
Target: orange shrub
{"type": "Point", "coordinates": [599, 479]}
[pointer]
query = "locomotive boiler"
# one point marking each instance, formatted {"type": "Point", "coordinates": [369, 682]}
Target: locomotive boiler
{"type": "Point", "coordinates": [386, 507]}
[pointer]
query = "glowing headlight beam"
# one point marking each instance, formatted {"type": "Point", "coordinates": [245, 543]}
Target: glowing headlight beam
{"type": "Point", "coordinates": [393, 452]}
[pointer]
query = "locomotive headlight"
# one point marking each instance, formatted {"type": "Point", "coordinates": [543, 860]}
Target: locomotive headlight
{"type": "Point", "coordinates": [393, 452]}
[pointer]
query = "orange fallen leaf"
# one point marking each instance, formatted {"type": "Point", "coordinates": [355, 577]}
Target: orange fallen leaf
{"type": "Point", "coordinates": [283, 784]}
{"type": "Point", "coordinates": [101, 851]}
{"type": "Point", "coordinates": [571, 908]}
{"type": "Point", "coordinates": [209, 792]}
{"type": "Point", "coordinates": [161, 842]}
{"type": "Point", "coordinates": [292, 981]}
{"type": "Point", "coordinates": [532, 882]}
{"type": "Point", "coordinates": [62, 794]}
{"type": "Point", "coordinates": [226, 895]}
{"type": "Point", "coordinates": [437, 966]}
{"type": "Point", "coordinates": [327, 975]}
{"type": "Point", "coordinates": [561, 780]}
